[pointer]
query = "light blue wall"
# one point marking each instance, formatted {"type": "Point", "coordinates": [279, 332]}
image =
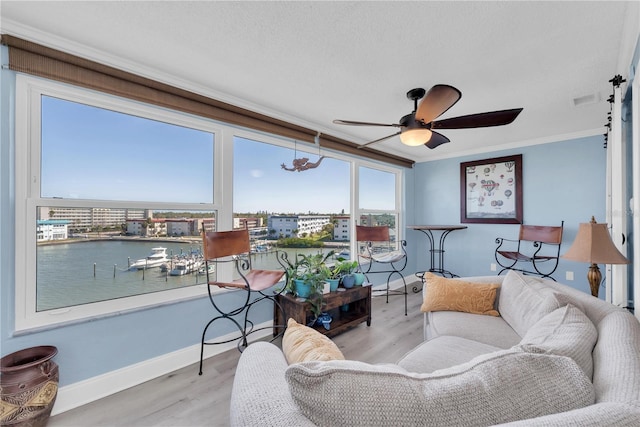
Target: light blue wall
{"type": "Point", "coordinates": [564, 180]}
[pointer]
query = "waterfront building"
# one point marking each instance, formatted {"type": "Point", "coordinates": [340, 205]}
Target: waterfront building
{"type": "Point", "coordinates": [84, 219]}
{"type": "Point", "coordinates": [297, 225]}
{"type": "Point", "coordinates": [182, 226]}
{"type": "Point", "coordinates": [342, 227]}
{"type": "Point", "coordinates": [209, 224]}
{"type": "Point", "coordinates": [52, 229]}
{"type": "Point", "coordinates": [246, 222]}
{"type": "Point", "coordinates": [147, 227]}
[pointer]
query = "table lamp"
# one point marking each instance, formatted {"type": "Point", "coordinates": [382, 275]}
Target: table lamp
{"type": "Point", "coordinates": [593, 244]}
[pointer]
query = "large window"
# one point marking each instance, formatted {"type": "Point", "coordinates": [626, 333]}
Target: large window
{"type": "Point", "coordinates": [378, 199]}
{"type": "Point", "coordinates": [301, 199]}
{"type": "Point", "coordinates": [111, 196]}
{"type": "Point", "coordinates": [290, 198]}
{"type": "Point", "coordinates": [116, 195]}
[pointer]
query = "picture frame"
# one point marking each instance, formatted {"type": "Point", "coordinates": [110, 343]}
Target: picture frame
{"type": "Point", "coordinates": [491, 191]}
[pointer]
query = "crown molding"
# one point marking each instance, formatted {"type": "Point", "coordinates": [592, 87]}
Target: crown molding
{"type": "Point", "coordinates": [515, 145]}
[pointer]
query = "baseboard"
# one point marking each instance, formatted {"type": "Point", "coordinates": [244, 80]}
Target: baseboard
{"type": "Point", "coordinates": [92, 389]}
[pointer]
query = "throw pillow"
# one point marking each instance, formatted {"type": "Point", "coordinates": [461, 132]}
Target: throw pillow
{"type": "Point", "coordinates": [444, 294]}
{"type": "Point", "coordinates": [301, 343]}
{"type": "Point", "coordinates": [524, 300]}
{"type": "Point", "coordinates": [500, 387]}
{"type": "Point", "coordinates": [566, 331]}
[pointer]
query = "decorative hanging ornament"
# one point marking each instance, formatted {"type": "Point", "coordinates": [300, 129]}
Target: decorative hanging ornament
{"type": "Point", "coordinates": [302, 164]}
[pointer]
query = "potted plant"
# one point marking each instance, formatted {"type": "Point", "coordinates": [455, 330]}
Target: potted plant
{"type": "Point", "coordinates": [306, 278]}
{"type": "Point", "coordinates": [359, 278]}
{"type": "Point", "coordinates": [346, 269]}
{"type": "Point", "coordinates": [334, 274]}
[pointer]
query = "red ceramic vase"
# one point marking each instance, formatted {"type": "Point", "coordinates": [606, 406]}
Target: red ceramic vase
{"type": "Point", "coordinates": [28, 386]}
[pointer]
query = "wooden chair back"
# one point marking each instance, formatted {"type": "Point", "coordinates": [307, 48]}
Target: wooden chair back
{"type": "Point", "coordinates": [372, 233]}
{"type": "Point", "coordinates": [219, 244]}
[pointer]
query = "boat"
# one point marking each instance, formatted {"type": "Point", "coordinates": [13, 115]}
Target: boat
{"type": "Point", "coordinates": [180, 268]}
{"type": "Point", "coordinates": [185, 266]}
{"type": "Point", "coordinates": [156, 258]}
{"type": "Point", "coordinates": [210, 268]}
{"type": "Point", "coordinates": [345, 253]}
{"type": "Point", "coordinates": [260, 246]}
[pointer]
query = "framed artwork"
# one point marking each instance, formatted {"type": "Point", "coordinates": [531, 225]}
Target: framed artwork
{"type": "Point", "coordinates": [491, 191]}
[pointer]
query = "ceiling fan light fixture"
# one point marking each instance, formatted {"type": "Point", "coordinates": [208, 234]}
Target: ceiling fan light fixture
{"type": "Point", "coordinates": [415, 137]}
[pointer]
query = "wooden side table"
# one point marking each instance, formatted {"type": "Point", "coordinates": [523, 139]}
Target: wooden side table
{"type": "Point", "coordinates": [358, 298]}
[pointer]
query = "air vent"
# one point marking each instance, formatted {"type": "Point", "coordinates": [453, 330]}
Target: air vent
{"type": "Point", "coordinates": [586, 100]}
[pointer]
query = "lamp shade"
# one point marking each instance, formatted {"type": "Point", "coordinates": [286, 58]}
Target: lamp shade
{"type": "Point", "coordinates": [415, 137]}
{"type": "Point", "coordinates": [593, 244]}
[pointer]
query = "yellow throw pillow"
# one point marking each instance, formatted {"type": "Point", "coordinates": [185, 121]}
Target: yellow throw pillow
{"type": "Point", "coordinates": [301, 343]}
{"type": "Point", "coordinates": [444, 294]}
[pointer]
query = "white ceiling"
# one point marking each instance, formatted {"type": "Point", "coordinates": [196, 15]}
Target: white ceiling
{"type": "Point", "coordinates": [312, 62]}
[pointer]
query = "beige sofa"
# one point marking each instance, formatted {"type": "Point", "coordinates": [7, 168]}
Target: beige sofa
{"type": "Point", "coordinates": [554, 356]}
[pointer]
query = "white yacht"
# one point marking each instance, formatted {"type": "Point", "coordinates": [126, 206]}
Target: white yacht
{"type": "Point", "coordinates": [156, 258]}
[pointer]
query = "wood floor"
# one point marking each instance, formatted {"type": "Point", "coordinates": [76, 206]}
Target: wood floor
{"type": "Point", "coordinates": [183, 398]}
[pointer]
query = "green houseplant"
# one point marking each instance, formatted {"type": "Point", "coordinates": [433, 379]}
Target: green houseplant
{"type": "Point", "coordinates": [333, 277]}
{"type": "Point", "coordinates": [306, 278]}
{"type": "Point", "coordinates": [345, 268]}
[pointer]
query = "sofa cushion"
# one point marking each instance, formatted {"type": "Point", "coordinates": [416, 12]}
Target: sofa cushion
{"type": "Point", "coordinates": [616, 364]}
{"type": "Point", "coordinates": [598, 415]}
{"type": "Point", "coordinates": [524, 300]}
{"type": "Point", "coordinates": [260, 395]}
{"type": "Point", "coordinates": [491, 389]}
{"type": "Point", "coordinates": [442, 294]}
{"type": "Point", "coordinates": [443, 352]}
{"type": "Point", "coordinates": [301, 343]}
{"type": "Point", "coordinates": [566, 331]}
{"type": "Point", "coordinates": [485, 329]}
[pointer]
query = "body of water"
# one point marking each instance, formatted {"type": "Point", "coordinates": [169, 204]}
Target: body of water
{"type": "Point", "coordinates": [71, 274]}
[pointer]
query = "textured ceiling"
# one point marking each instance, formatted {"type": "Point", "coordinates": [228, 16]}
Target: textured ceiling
{"type": "Point", "coordinates": [312, 62]}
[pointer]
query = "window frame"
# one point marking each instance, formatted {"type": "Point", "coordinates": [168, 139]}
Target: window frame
{"type": "Point", "coordinates": [28, 91]}
{"type": "Point", "coordinates": [364, 210]}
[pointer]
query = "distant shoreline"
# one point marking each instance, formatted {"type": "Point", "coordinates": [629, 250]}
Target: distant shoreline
{"type": "Point", "coordinates": [193, 239]}
{"type": "Point", "coordinates": [189, 239]}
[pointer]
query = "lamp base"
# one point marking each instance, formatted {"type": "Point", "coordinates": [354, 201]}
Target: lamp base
{"type": "Point", "coordinates": [594, 277]}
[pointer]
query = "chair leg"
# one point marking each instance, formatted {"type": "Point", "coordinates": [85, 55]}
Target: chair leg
{"type": "Point", "coordinates": [405, 296]}
{"type": "Point", "coordinates": [204, 332]}
{"type": "Point", "coordinates": [388, 289]}
{"type": "Point", "coordinates": [404, 282]}
{"type": "Point", "coordinates": [249, 325]}
{"type": "Point", "coordinates": [283, 316]}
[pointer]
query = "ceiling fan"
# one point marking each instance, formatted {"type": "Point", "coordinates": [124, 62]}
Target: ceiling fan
{"type": "Point", "coordinates": [417, 128]}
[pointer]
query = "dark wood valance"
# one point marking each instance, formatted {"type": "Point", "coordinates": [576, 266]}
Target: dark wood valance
{"type": "Point", "coordinates": [38, 60]}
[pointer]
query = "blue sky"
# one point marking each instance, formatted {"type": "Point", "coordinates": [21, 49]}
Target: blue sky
{"type": "Point", "coordinates": [93, 153]}
{"type": "Point", "coordinates": [260, 180]}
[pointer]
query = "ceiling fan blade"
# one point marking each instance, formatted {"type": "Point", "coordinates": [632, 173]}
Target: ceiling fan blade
{"type": "Point", "coordinates": [436, 140]}
{"type": "Point", "coordinates": [352, 123]}
{"type": "Point", "coordinates": [378, 140]}
{"type": "Point", "coordinates": [480, 120]}
{"type": "Point", "coordinates": [438, 100]}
